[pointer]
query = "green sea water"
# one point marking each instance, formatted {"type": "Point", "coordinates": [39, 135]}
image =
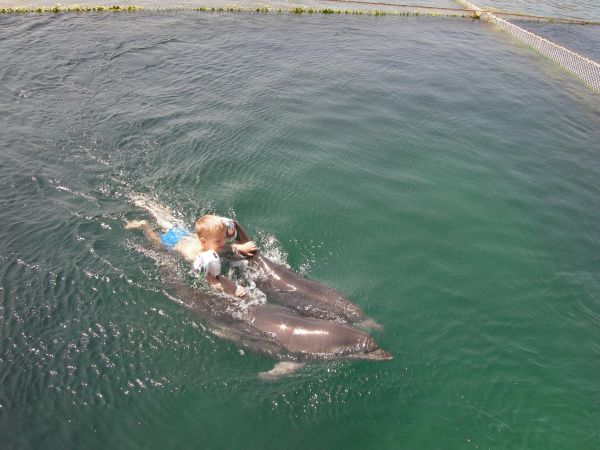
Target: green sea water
{"type": "Point", "coordinates": [441, 175]}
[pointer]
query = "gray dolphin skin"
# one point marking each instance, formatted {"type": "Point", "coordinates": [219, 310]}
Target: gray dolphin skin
{"type": "Point", "coordinates": [269, 329]}
{"type": "Point", "coordinates": [316, 338]}
{"type": "Point", "coordinates": [307, 297]}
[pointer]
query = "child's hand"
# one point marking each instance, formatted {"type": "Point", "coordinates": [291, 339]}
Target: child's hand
{"type": "Point", "coordinates": [226, 285]}
{"type": "Point", "coordinates": [246, 249]}
{"type": "Point", "coordinates": [240, 291]}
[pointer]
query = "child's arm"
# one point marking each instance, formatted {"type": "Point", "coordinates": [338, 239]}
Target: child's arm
{"type": "Point", "coordinates": [244, 246]}
{"type": "Point", "coordinates": [224, 284]}
{"type": "Point", "coordinates": [246, 249]}
{"type": "Point", "coordinates": [209, 264]}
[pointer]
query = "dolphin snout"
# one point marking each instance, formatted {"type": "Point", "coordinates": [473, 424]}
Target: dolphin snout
{"type": "Point", "coordinates": [380, 355]}
{"type": "Point", "coordinates": [372, 351]}
{"type": "Point", "coordinates": [370, 345]}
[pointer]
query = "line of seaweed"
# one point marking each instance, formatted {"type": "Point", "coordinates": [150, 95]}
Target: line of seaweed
{"type": "Point", "coordinates": [231, 9]}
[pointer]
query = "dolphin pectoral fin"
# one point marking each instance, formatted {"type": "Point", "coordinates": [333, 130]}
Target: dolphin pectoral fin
{"type": "Point", "coordinates": [281, 369]}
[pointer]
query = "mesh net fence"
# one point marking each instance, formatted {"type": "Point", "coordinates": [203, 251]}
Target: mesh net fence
{"type": "Point", "coordinates": [580, 66]}
{"type": "Point", "coordinates": [584, 68]}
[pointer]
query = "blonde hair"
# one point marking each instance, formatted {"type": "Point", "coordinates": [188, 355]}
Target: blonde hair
{"type": "Point", "coordinates": [209, 225]}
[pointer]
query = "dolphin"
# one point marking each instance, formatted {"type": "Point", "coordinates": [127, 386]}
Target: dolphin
{"type": "Point", "coordinates": [268, 329]}
{"type": "Point", "coordinates": [309, 298]}
{"type": "Point", "coordinates": [281, 285]}
{"type": "Point", "coordinates": [315, 338]}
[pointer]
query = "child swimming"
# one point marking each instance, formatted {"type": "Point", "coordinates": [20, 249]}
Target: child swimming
{"type": "Point", "coordinates": [212, 234]}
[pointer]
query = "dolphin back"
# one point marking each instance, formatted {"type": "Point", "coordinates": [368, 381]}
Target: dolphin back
{"type": "Point", "coordinates": [315, 338]}
{"type": "Point", "coordinates": [268, 329]}
{"type": "Point", "coordinates": [307, 297]}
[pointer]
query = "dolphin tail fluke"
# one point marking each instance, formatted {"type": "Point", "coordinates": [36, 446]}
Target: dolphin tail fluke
{"type": "Point", "coordinates": [281, 369]}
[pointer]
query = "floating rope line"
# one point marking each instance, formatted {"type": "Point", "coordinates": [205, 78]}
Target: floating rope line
{"type": "Point", "coordinates": [580, 66]}
{"type": "Point", "coordinates": [474, 12]}
{"type": "Point", "coordinates": [290, 6]}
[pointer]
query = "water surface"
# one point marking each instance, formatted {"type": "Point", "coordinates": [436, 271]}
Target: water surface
{"type": "Point", "coordinates": [440, 175]}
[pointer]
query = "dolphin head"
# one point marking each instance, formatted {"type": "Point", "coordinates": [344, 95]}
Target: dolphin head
{"type": "Point", "coordinates": [378, 355]}
{"type": "Point", "coordinates": [373, 352]}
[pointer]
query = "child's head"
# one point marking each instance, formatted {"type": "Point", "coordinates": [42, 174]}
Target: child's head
{"type": "Point", "coordinates": [211, 232]}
